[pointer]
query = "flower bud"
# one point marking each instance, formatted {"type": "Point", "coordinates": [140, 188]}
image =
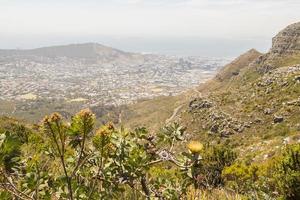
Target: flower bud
{"type": "Point", "coordinates": [195, 146]}
{"type": "Point", "coordinates": [55, 117]}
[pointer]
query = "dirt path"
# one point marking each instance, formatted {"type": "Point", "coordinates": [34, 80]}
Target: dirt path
{"type": "Point", "coordinates": [175, 112]}
{"type": "Point", "coordinates": [197, 92]}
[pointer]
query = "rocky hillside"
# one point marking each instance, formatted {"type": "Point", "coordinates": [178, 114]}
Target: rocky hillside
{"type": "Point", "coordinates": [254, 102]}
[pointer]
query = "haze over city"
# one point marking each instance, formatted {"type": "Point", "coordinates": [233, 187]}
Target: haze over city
{"type": "Point", "coordinates": [181, 27]}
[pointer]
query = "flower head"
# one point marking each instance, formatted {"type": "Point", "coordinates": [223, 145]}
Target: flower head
{"type": "Point", "coordinates": [102, 138]}
{"type": "Point", "coordinates": [103, 132]}
{"type": "Point", "coordinates": [55, 117]}
{"type": "Point", "coordinates": [195, 146]}
{"type": "Point", "coordinates": [85, 113]}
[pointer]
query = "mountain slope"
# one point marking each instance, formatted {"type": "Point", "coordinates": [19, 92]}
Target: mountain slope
{"type": "Point", "coordinates": [258, 107]}
{"type": "Point", "coordinates": [234, 68]}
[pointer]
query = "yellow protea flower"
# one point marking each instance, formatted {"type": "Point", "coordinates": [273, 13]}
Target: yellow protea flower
{"type": "Point", "coordinates": [195, 146]}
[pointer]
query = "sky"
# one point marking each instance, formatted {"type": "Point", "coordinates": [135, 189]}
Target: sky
{"type": "Point", "coordinates": [187, 27]}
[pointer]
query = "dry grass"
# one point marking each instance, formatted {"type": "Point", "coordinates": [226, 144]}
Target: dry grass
{"type": "Point", "coordinates": [151, 113]}
{"type": "Point", "coordinates": [214, 194]}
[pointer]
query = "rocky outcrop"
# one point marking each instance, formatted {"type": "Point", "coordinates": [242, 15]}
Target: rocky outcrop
{"type": "Point", "coordinates": [287, 41]}
{"type": "Point", "coordinates": [279, 77]}
{"type": "Point", "coordinates": [214, 120]}
{"type": "Point", "coordinates": [199, 103]}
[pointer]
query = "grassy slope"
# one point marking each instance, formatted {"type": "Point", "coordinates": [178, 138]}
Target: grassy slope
{"type": "Point", "coordinates": [150, 113]}
{"type": "Point", "coordinates": [239, 96]}
{"type": "Point", "coordinates": [242, 98]}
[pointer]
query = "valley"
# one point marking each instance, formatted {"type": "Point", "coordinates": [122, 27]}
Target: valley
{"type": "Point", "coordinates": [33, 79]}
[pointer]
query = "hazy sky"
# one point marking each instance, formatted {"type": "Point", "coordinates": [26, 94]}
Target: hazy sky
{"type": "Point", "coordinates": [147, 25]}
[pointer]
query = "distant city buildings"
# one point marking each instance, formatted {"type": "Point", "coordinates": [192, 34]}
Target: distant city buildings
{"type": "Point", "coordinates": [30, 79]}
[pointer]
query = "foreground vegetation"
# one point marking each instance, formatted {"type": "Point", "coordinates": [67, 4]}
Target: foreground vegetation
{"type": "Point", "coordinates": [58, 159]}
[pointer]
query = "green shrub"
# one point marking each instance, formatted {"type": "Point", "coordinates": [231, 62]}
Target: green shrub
{"type": "Point", "coordinates": [287, 173]}
{"type": "Point", "coordinates": [214, 159]}
{"type": "Point", "coordinates": [278, 177]}
{"type": "Point", "coordinates": [240, 177]}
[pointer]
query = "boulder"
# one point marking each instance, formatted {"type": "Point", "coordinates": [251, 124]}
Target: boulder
{"type": "Point", "coordinates": [297, 78]}
{"type": "Point", "coordinates": [257, 120]}
{"type": "Point", "coordinates": [268, 111]}
{"type": "Point", "coordinates": [278, 119]}
{"type": "Point", "coordinates": [214, 128]}
{"type": "Point", "coordinates": [295, 102]}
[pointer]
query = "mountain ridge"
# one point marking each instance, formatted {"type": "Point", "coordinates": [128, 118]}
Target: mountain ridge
{"type": "Point", "coordinates": [93, 52]}
{"type": "Point", "coordinates": [234, 67]}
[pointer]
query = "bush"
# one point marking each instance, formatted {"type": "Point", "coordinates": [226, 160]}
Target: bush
{"type": "Point", "coordinates": [241, 177]}
{"type": "Point", "coordinates": [287, 173]}
{"type": "Point", "coordinates": [276, 178]}
{"type": "Point", "coordinates": [214, 159]}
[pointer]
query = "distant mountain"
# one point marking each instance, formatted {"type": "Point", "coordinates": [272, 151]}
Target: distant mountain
{"type": "Point", "coordinates": [91, 52]}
